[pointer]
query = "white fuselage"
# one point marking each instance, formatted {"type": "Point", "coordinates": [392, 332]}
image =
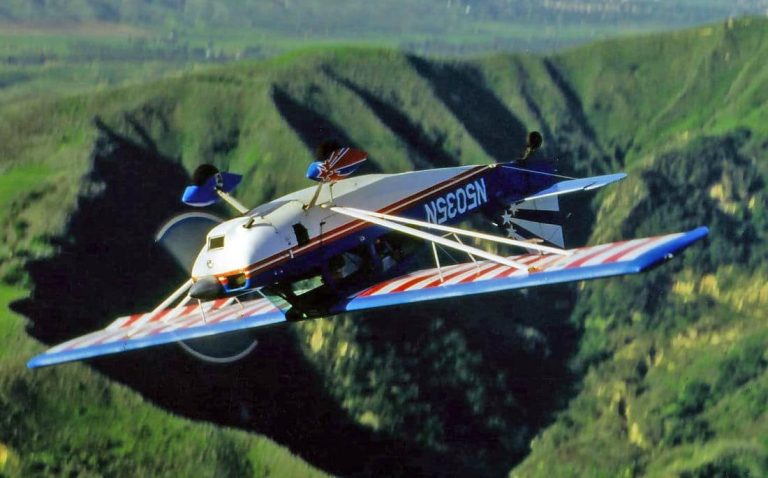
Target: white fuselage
{"type": "Point", "coordinates": [271, 235]}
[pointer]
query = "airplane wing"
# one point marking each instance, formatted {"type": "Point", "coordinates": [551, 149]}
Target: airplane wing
{"type": "Point", "coordinates": [226, 315]}
{"type": "Point", "coordinates": [166, 326]}
{"type": "Point", "coordinates": [604, 260]}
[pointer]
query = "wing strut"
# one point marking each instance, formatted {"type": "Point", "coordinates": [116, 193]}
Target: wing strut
{"type": "Point", "coordinates": [437, 261]}
{"type": "Point", "coordinates": [458, 231]}
{"type": "Point", "coordinates": [389, 224]}
{"type": "Point", "coordinates": [173, 297]}
{"type": "Point", "coordinates": [170, 300]}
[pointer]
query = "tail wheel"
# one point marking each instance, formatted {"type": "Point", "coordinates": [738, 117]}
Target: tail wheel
{"type": "Point", "coordinates": [203, 173]}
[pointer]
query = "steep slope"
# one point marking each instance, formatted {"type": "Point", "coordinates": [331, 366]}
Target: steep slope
{"type": "Point", "coordinates": [132, 147]}
{"type": "Point", "coordinates": [74, 422]}
{"type": "Point", "coordinates": [455, 388]}
{"type": "Point", "coordinates": [674, 363]}
{"type": "Point", "coordinates": [658, 92]}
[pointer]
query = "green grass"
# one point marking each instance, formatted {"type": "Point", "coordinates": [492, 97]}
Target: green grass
{"type": "Point", "coordinates": [712, 80]}
{"type": "Point", "coordinates": [676, 373]}
{"type": "Point", "coordinates": [10, 326]}
{"type": "Point", "coordinates": [74, 51]}
{"type": "Point", "coordinates": [618, 104]}
{"type": "Point", "coordinates": [20, 179]}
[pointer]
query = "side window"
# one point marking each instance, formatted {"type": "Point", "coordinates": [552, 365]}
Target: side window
{"type": "Point", "coordinates": [351, 262]}
{"type": "Point", "coordinates": [216, 242]}
{"type": "Point", "coordinates": [302, 236]}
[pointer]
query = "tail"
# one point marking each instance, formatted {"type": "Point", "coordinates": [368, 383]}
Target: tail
{"type": "Point", "coordinates": [531, 190]}
{"type": "Point", "coordinates": [538, 220]}
{"type": "Point", "coordinates": [529, 208]}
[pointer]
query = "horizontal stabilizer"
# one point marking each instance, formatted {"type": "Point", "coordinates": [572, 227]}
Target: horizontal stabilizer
{"type": "Point", "coordinates": [461, 280]}
{"type": "Point", "coordinates": [166, 326]}
{"type": "Point", "coordinates": [574, 185]}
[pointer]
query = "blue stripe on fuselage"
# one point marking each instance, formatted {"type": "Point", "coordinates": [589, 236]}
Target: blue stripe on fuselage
{"type": "Point", "coordinates": [454, 204]}
{"type": "Point", "coordinates": [492, 188]}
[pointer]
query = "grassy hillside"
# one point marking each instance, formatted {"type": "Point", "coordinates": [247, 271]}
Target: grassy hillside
{"type": "Point", "coordinates": [66, 47]}
{"type": "Point", "coordinates": [674, 362]}
{"type": "Point", "coordinates": [661, 374]}
{"type": "Point", "coordinates": [637, 102]}
{"type": "Point", "coordinates": [74, 422]}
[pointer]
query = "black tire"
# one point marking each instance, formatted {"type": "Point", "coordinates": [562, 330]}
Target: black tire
{"type": "Point", "coordinates": [325, 149]}
{"type": "Point", "coordinates": [294, 315]}
{"type": "Point", "coordinates": [534, 140]}
{"type": "Point", "coordinates": [203, 173]}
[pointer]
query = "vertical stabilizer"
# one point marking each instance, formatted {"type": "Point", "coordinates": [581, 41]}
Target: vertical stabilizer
{"type": "Point", "coordinates": [534, 219]}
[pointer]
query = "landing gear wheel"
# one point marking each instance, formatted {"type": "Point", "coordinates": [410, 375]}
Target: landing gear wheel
{"type": "Point", "coordinates": [294, 315]}
{"type": "Point", "coordinates": [203, 173]}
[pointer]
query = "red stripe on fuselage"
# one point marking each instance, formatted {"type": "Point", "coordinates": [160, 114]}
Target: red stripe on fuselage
{"type": "Point", "coordinates": [357, 224]}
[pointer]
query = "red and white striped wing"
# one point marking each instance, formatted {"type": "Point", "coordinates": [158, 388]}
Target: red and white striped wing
{"type": "Point", "coordinates": [617, 258]}
{"type": "Point", "coordinates": [194, 321]}
{"type": "Point", "coordinates": [167, 326]}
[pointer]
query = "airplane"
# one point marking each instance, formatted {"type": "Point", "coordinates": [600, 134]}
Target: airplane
{"type": "Point", "coordinates": [355, 243]}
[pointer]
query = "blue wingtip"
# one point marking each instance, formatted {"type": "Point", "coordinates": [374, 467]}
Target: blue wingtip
{"type": "Point", "coordinates": [701, 231]}
{"type": "Point", "coordinates": [651, 258]}
{"type": "Point", "coordinates": [36, 362]}
{"type": "Point", "coordinates": [694, 235]}
{"type": "Point", "coordinates": [660, 255]}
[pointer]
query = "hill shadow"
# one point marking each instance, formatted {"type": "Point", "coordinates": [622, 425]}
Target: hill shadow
{"type": "Point", "coordinates": [571, 98]}
{"type": "Point", "coordinates": [465, 94]}
{"type": "Point", "coordinates": [315, 129]}
{"type": "Point", "coordinates": [524, 342]}
{"type": "Point", "coordinates": [428, 152]}
{"type": "Point", "coordinates": [107, 265]}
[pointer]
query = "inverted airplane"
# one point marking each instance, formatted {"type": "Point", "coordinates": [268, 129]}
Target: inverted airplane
{"type": "Point", "coordinates": [358, 243]}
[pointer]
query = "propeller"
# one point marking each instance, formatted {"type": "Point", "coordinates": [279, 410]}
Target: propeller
{"type": "Point", "coordinates": [221, 349]}
{"type": "Point", "coordinates": [224, 348]}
